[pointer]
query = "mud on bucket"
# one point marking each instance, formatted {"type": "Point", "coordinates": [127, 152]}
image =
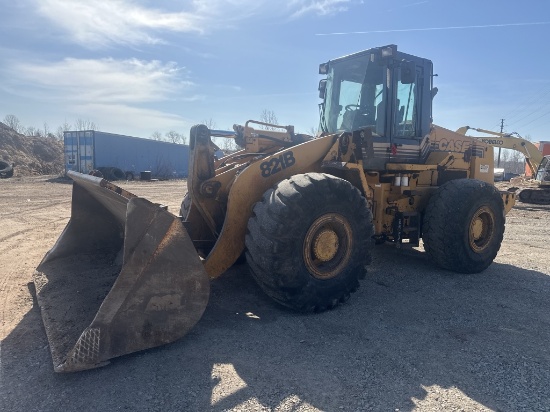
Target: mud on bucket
{"type": "Point", "coordinates": [123, 276]}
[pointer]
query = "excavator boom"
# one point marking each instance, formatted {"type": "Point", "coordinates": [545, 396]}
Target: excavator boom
{"type": "Point", "coordinates": [536, 161]}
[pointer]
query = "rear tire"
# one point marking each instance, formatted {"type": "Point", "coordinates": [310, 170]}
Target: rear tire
{"type": "Point", "coordinates": [6, 170]}
{"type": "Point", "coordinates": [309, 241]}
{"type": "Point", "coordinates": [117, 174]}
{"type": "Point", "coordinates": [464, 225]}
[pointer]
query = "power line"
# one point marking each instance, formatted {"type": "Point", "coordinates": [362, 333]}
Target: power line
{"type": "Point", "coordinates": [526, 104]}
{"type": "Point", "coordinates": [532, 113]}
{"type": "Point", "coordinates": [545, 114]}
{"type": "Point", "coordinates": [520, 105]}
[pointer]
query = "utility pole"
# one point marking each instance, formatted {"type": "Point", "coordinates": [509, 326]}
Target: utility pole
{"type": "Point", "coordinates": [499, 149]}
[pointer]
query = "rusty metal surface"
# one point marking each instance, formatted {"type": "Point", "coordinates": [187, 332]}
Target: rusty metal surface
{"type": "Point", "coordinates": [123, 276]}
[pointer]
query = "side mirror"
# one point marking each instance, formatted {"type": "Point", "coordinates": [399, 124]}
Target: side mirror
{"type": "Point", "coordinates": [408, 72]}
{"type": "Point", "coordinates": [322, 88]}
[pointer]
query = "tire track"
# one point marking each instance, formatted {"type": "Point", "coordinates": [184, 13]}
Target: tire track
{"type": "Point", "coordinates": [31, 209]}
{"type": "Point", "coordinates": [20, 232]}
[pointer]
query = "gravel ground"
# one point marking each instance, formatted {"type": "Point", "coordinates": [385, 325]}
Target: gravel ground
{"type": "Point", "coordinates": [413, 337]}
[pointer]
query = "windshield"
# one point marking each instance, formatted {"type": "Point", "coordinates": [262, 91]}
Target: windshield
{"type": "Point", "coordinates": [543, 174]}
{"type": "Point", "coordinates": [354, 96]}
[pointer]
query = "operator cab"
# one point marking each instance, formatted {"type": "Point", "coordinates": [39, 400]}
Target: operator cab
{"type": "Point", "coordinates": [384, 92]}
{"type": "Point", "coordinates": [543, 173]}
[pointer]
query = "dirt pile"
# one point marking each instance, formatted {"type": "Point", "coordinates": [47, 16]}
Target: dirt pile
{"type": "Point", "coordinates": [520, 182]}
{"type": "Point", "coordinates": [31, 155]}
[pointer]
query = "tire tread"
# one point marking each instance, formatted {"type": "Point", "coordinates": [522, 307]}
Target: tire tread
{"type": "Point", "coordinates": [271, 244]}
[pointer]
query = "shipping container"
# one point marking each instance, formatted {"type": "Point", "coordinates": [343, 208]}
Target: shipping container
{"type": "Point", "coordinates": [93, 150]}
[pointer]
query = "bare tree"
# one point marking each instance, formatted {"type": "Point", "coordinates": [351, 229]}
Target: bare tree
{"type": "Point", "coordinates": [229, 145]}
{"type": "Point", "coordinates": [512, 161]}
{"type": "Point", "coordinates": [12, 121]}
{"type": "Point", "coordinates": [33, 131]}
{"type": "Point", "coordinates": [173, 136]}
{"type": "Point", "coordinates": [517, 162]}
{"type": "Point", "coordinates": [211, 124]}
{"type": "Point", "coordinates": [47, 131]}
{"type": "Point", "coordinates": [65, 127]}
{"type": "Point", "coordinates": [81, 124]}
{"type": "Point", "coordinates": [268, 116]}
{"type": "Point", "coordinates": [156, 135]}
{"type": "Point", "coordinates": [313, 131]}
{"type": "Point", "coordinates": [183, 139]}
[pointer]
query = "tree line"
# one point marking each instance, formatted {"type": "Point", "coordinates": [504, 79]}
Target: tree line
{"type": "Point", "coordinates": [511, 161]}
{"type": "Point", "coordinates": [172, 136]}
{"type": "Point", "coordinates": [46, 131]}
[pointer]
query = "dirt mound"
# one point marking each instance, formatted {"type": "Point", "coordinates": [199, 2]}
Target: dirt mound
{"type": "Point", "coordinates": [523, 181]}
{"type": "Point", "coordinates": [519, 182]}
{"type": "Point", "coordinates": [31, 155]}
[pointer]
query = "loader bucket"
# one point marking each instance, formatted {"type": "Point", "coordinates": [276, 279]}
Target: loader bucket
{"type": "Point", "coordinates": [123, 276]}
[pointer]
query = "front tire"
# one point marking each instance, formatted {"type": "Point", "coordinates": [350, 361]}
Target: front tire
{"type": "Point", "coordinates": [309, 241]}
{"type": "Point", "coordinates": [464, 225]}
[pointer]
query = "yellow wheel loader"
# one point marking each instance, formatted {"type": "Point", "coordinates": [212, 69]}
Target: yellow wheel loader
{"type": "Point", "coordinates": [127, 275]}
{"type": "Point", "coordinates": [536, 161]}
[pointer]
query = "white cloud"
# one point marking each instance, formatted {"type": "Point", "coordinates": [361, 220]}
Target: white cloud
{"type": "Point", "coordinates": [102, 81]}
{"type": "Point", "coordinates": [124, 96]}
{"type": "Point", "coordinates": [241, 9]}
{"type": "Point", "coordinates": [122, 118]}
{"type": "Point", "coordinates": [101, 23]}
{"type": "Point", "coordinates": [319, 7]}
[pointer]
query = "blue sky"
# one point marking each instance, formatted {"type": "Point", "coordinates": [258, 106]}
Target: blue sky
{"type": "Point", "coordinates": [139, 66]}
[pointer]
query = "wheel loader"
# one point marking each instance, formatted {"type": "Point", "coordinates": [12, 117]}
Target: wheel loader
{"type": "Point", "coordinates": [536, 161]}
{"type": "Point", "coordinates": [304, 211]}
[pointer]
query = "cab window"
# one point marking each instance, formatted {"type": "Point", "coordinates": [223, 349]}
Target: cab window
{"type": "Point", "coordinates": [406, 119]}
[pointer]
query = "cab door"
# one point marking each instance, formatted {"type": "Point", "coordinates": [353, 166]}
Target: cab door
{"type": "Point", "coordinates": [405, 113]}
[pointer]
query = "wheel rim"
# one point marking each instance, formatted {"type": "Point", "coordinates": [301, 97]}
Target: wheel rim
{"type": "Point", "coordinates": [482, 228]}
{"type": "Point", "coordinates": [328, 246]}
